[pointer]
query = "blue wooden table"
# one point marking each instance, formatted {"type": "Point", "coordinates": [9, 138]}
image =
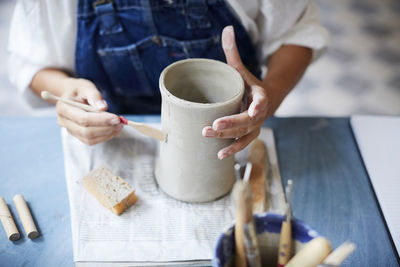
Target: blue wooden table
{"type": "Point", "coordinates": [332, 190]}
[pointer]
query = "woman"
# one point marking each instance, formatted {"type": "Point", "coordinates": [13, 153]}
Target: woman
{"type": "Point", "coordinates": [109, 54]}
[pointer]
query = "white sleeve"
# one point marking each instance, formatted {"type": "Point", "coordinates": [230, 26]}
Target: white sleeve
{"type": "Point", "coordinates": [306, 31]}
{"type": "Point", "coordinates": [34, 42]}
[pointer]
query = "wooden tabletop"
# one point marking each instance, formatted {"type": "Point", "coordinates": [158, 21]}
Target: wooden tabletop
{"type": "Point", "coordinates": [332, 191]}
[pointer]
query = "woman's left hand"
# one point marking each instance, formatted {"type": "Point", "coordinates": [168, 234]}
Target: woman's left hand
{"type": "Point", "coordinates": [245, 126]}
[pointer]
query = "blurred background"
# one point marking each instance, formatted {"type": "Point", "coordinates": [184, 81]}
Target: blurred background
{"type": "Point", "coordinates": [360, 74]}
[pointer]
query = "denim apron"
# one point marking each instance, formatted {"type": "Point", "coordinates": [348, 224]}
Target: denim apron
{"type": "Point", "coordinates": [123, 45]}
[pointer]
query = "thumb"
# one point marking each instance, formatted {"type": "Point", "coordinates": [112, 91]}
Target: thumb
{"type": "Point", "coordinates": [94, 98]}
{"type": "Point", "coordinates": [230, 48]}
{"type": "Point", "coordinates": [232, 54]}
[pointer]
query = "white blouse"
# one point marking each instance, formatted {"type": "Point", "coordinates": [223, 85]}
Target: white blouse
{"type": "Point", "coordinates": [43, 33]}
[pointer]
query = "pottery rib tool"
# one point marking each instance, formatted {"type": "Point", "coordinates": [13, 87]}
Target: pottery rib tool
{"type": "Point", "coordinates": [25, 216]}
{"type": "Point", "coordinates": [312, 254]}
{"type": "Point", "coordinates": [140, 127]}
{"type": "Point", "coordinates": [339, 254]}
{"type": "Point", "coordinates": [285, 242]}
{"type": "Point", "coordinates": [8, 222]}
{"type": "Point", "coordinates": [258, 156]}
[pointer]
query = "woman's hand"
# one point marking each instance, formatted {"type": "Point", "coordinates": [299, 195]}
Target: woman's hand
{"type": "Point", "coordinates": [245, 126]}
{"type": "Point", "coordinates": [89, 127]}
{"type": "Point", "coordinates": [285, 68]}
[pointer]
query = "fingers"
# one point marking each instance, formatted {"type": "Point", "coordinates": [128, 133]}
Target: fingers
{"type": "Point", "coordinates": [94, 98]}
{"type": "Point", "coordinates": [98, 140]}
{"type": "Point", "coordinates": [89, 135]}
{"type": "Point", "coordinates": [232, 132]}
{"type": "Point", "coordinates": [238, 145]}
{"type": "Point", "coordinates": [259, 101]}
{"type": "Point", "coordinates": [86, 92]}
{"type": "Point", "coordinates": [232, 55]}
{"type": "Point", "coordinates": [84, 118]}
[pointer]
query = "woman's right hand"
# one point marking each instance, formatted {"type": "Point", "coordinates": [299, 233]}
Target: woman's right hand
{"type": "Point", "coordinates": [89, 127]}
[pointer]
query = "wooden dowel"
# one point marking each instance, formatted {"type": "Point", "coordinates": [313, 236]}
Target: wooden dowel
{"type": "Point", "coordinates": [8, 222]}
{"type": "Point", "coordinates": [26, 217]}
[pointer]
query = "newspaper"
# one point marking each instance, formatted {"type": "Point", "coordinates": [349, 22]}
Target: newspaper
{"type": "Point", "coordinates": [157, 229]}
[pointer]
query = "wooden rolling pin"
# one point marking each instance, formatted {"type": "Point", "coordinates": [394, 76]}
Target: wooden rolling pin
{"type": "Point", "coordinates": [140, 127]}
{"type": "Point", "coordinates": [312, 254]}
{"type": "Point", "coordinates": [258, 157]}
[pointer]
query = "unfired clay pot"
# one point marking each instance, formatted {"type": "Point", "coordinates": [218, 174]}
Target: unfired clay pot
{"type": "Point", "coordinates": [194, 93]}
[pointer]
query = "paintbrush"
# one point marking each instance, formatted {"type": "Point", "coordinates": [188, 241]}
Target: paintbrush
{"type": "Point", "coordinates": [140, 127]}
{"type": "Point", "coordinates": [285, 242]}
{"type": "Point", "coordinates": [247, 251]}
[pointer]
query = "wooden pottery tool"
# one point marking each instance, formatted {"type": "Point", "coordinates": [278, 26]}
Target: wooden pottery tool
{"type": "Point", "coordinates": [312, 254]}
{"type": "Point", "coordinates": [140, 127]}
{"type": "Point", "coordinates": [339, 254]}
{"type": "Point", "coordinates": [258, 156]}
{"type": "Point", "coordinates": [239, 200]}
{"type": "Point", "coordinates": [285, 242]}
{"type": "Point", "coordinates": [8, 222]}
{"type": "Point", "coordinates": [247, 249]}
{"type": "Point", "coordinates": [26, 217]}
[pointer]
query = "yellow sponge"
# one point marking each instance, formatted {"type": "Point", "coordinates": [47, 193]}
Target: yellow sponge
{"type": "Point", "coordinates": [110, 190]}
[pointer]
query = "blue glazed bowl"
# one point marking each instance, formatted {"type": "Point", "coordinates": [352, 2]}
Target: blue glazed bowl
{"type": "Point", "coordinates": [268, 227]}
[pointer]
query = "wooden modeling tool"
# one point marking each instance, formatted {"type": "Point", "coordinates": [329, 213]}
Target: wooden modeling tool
{"type": "Point", "coordinates": [145, 129]}
{"type": "Point", "coordinates": [339, 254]}
{"type": "Point", "coordinates": [26, 217]}
{"type": "Point", "coordinates": [247, 249]}
{"type": "Point", "coordinates": [239, 199]}
{"type": "Point", "coordinates": [8, 222]}
{"type": "Point", "coordinates": [258, 156]}
{"type": "Point", "coordinates": [140, 127]}
{"type": "Point", "coordinates": [48, 96]}
{"type": "Point", "coordinates": [312, 254]}
{"type": "Point", "coordinates": [285, 242]}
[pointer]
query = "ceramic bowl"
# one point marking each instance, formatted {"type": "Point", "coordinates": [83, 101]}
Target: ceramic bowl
{"type": "Point", "coordinates": [268, 227]}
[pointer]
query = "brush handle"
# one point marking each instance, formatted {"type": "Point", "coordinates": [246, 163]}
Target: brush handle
{"type": "Point", "coordinates": [285, 243]}
{"type": "Point", "coordinates": [47, 95]}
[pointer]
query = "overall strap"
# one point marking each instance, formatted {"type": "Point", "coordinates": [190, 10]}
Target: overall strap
{"type": "Point", "coordinates": [109, 22]}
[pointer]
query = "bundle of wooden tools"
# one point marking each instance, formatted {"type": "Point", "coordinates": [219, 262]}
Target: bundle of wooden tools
{"type": "Point", "coordinates": [249, 195]}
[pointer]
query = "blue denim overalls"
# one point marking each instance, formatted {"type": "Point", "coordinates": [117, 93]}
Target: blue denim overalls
{"type": "Point", "coordinates": [123, 45]}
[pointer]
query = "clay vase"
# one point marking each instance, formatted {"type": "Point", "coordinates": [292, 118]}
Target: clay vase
{"type": "Point", "coordinates": [194, 93]}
